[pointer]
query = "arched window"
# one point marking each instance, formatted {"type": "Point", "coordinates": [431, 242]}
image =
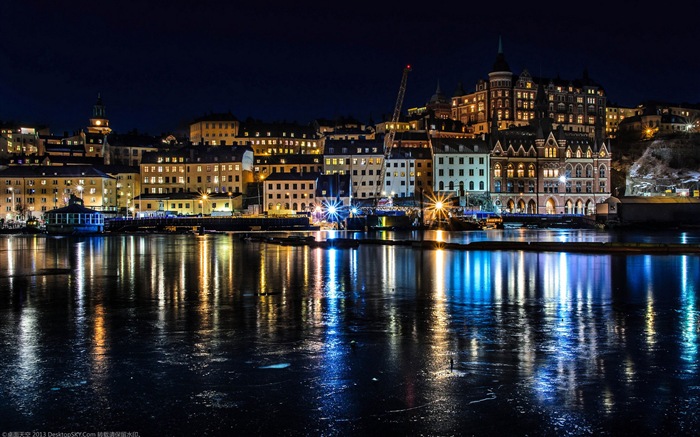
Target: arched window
{"type": "Point", "coordinates": [481, 185]}
{"type": "Point", "coordinates": [441, 186]}
{"type": "Point", "coordinates": [578, 171]}
{"type": "Point", "coordinates": [471, 185]}
{"type": "Point", "coordinates": [497, 186]}
{"type": "Point", "coordinates": [452, 186]}
{"type": "Point", "coordinates": [521, 170]}
{"type": "Point", "coordinates": [509, 171]}
{"type": "Point", "coordinates": [497, 171]}
{"type": "Point", "coordinates": [531, 171]}
{"type": "Point", "coordinates": [601, 171]}
{"type": "Point", "coordinates": [589, 171]}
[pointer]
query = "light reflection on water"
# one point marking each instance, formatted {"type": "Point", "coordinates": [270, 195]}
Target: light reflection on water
{"type": "Point", "coordinates": [379, 336]}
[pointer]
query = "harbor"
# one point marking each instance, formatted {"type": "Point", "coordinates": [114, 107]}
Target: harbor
{"type": "Point", "coordinates": [171, 334]}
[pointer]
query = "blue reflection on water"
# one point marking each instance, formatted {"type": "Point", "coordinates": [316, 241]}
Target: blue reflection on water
{"type": "Point", "coordinates": [556, 342]}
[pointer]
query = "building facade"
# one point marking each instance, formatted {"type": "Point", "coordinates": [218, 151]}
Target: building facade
{"type": "Point", "coordinates": [506, 100]}
{"type": "Point", "coordinates": [461, 166]}
{"type": "Point", "coordinates": [363, 160]}
{"type": "Point", "coordinates": [197, 169]}
{"type": "Point", "coordinates": [33, 190]}
{"type": "Point", "coordinates": [280, 139]}
{"type": "Point", "coordinates": [214, 129]}
{"type": "Point", "coordinates": [287, 193]}
{"type": "Point", "coordinates": [549, 172]}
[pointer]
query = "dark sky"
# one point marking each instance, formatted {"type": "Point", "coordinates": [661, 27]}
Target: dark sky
{"type": "Point", "coordinates": [160, 64]}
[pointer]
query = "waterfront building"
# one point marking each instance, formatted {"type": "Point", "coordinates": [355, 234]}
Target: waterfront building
{"type": "Point", "coordinates": [509, 100]}
{"type": "Point", "coordinates": [187, 203]}
{"type": "Point", "coordinates": [74, 219]}
{"type": "Point", "coordinates": [363, 160]}
{"type": "Point", "coordinates": [545, 170]}
{"type": "Point", "coordinates": [461, 167]}
{"type": "Point", "coordinates": [408, 170]}
{"type": "Point", "coordinates": [198, 169]}
{"type": "Point", "coordinates": [288, 193]}
{"type": "Point", "coordinates": [333, 190]}
{"type": "Point", "coordinates": [37, 189]}
{"type": "Point", "coordinates": [215, 129]}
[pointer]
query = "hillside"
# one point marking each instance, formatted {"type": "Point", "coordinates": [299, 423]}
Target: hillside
{"type": "Point", "coordinates": [668, 162]}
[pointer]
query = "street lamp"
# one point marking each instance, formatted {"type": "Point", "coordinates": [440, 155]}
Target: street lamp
{"type": "Point", "coordinates": [230, 204]}
{"type": "Point", "coordinates": [201, 203]}
{"type": "Point", "coordinates": [80, 191]}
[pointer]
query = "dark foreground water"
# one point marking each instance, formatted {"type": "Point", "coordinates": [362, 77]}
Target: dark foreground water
{"type": "Point", "coordinates": [209, 335]}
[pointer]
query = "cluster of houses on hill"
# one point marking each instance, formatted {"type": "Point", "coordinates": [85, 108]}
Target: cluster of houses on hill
{"type": "Point", "coordinates": [517, 144]}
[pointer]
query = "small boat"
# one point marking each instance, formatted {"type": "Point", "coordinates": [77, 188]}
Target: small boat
{"type": "Point", "coordinates": [463, 224]}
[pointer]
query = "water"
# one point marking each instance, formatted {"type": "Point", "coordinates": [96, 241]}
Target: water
{"type": "Point", "coordinates": [185, 335]}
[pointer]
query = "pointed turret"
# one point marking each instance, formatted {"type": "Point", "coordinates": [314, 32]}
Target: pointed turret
{"type": "Point", "coordinates": [541, 122]}
{"type": "Point", "coordinates": [500, 64]}
{"type": "Point", "coordinates": [438, 96]}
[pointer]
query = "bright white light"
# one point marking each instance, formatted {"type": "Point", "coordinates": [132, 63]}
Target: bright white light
{"type": "Point", "coordinates": [354, 210]}
{"type": "Point", "coordinates": [562, 178]}
{"type": "Point", "coordinates": [332, 209]}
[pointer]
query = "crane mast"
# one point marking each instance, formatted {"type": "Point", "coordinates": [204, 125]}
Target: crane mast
{"type": "Point", "coordinates": [389, 136]}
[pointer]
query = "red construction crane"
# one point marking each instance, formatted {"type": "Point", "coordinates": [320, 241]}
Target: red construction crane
{"type": "Point", "coordinates": [389, 136]}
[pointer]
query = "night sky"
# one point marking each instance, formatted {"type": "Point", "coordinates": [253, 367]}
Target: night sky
{"type": "Point", "coordinates": [160, 65]}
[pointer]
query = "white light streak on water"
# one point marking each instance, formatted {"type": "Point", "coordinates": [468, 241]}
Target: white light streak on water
{"type": "Point", "coordinates": [689, 318]}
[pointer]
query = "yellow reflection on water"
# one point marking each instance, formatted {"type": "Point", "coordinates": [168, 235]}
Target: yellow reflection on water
{"type": "Point", "coordinates": [99, 349]}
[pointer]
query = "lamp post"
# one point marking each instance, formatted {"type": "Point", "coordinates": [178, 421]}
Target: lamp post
{"type": "Point", "coordinates": [80, 191]}
{"type": "Point", "coordinates": [562, 179]}
{"type": "Point", "coordinates": [230, 204]}
{"type": "Point", "coordinates": [202, 202]}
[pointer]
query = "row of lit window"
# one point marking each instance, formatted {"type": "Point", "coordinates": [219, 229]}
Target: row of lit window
{"type": "Point", "coordinates": [181, 168]}
{"type": "Point", "coordinates": [460, 160]}
{"type": "Point", "coordinates": [460, 172]}
{"type": "Point", "coordinates": [300, 186]}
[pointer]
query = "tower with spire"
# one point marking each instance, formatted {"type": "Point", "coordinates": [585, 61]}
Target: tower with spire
{"type": "Point", "coordinates": [500, 91]}
{"type": "Point", "coordinates": [99, 124]}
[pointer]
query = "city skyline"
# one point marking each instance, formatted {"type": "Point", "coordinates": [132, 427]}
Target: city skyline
{"type": "Point", "coordinates": [159, 69]}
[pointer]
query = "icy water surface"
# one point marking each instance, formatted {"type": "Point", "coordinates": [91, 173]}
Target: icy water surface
{"type": "Point", "coordinates": [209, 335]}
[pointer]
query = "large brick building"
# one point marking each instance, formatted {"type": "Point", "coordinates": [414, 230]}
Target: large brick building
{"type": "Point", "coordinates": [509, 99]}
